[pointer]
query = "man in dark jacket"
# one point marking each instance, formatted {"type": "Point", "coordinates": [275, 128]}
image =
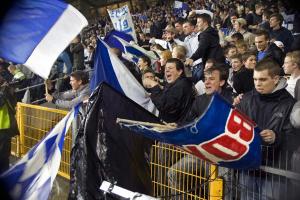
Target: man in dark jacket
{"type": "Point", "coordinates": [266, 49]}
{"type": "Point", "coordinates": [77, 50]}
{"type": "Point", "coordinates": [279, 33]}
{"type": "Point", "coordinates": [269, 105]}
{"type": "Point", "coordinates": [175, 99]}
{"type": "Point", "coordinates": [208, 47]}
{"type": "Point", "coordinates": [215, 79]}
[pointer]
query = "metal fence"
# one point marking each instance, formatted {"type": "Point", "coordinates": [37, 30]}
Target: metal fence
{"type": "Point", "coordinates": [34, 123]}
{"type": "Point", "coordinates": [176, 174]}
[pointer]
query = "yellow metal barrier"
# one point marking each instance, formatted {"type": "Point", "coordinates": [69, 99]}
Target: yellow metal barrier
{"type": "Point", "coordinates": [194, 179]}
{"type": "Point", "coordinates": [34, 123]}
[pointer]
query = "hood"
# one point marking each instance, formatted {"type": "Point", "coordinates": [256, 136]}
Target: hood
{"type": "Point", "coordinates": [281, 84]}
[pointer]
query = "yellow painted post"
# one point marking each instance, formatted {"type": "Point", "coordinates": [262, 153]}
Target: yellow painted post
{"type": "Point", "coordinates": [21, 128]}
{"type": "Point", "coordinates": [216, 185]}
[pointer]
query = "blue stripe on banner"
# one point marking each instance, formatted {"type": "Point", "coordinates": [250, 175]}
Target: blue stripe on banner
{"type": "Point", "coordinates": [25, 25]}
{"type": "Point", "coordinates": [134, 51]}
{"type": "Point", "coordinates": [103, 68]}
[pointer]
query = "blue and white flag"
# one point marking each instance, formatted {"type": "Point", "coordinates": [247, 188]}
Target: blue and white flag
{"type": "Point", "coordinates": [181, 9]}
{"type": "Point", "coordinates": [130, 50]}
{"type": "Point", "coordinates": [33, 175]}
{"type": "Point", "coordinates": [122, 20]}
{"type": "Point", "coordinates": [110, 69]}
{"type": "Point", "coordinates": [222, 135]}
{"type": "Point", "coordinates": [35, 32]}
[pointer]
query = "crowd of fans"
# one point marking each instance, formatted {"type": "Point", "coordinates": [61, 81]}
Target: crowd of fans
{"type": "Point", "coordinates": [247, 51]}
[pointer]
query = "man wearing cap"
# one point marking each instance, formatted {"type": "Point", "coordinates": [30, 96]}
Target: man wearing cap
{"type": "Point", "coordinates": [170, 42]}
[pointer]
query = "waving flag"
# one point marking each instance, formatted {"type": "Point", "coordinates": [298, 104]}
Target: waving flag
{"type": "Point", "coordinates": [35, 32]}
{"type": "Point", "coordinates": [32, 177]}
{"type": "Point", "coordinates": [130, 50]}
{"type": "Point", "coordinates": [181, 9]}
{"type": "Point", "coordinates": [109, 68]}
{"type": "Point", "coordinates": [222, 135]}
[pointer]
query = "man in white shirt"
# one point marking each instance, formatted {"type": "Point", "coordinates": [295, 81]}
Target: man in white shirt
{"type": "Point", "coordinates": [191, 40]}
{"type": "Point", "coordinates": [292, 66]}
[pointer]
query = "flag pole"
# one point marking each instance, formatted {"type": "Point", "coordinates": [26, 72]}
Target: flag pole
{"type": "Point", "coordinates": [46, 87]}
{"type": "Point", "coordinates": [154, 125]}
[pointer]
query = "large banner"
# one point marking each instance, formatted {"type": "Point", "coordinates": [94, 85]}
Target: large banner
{"type": "Point", "coordinates": [122, 20]}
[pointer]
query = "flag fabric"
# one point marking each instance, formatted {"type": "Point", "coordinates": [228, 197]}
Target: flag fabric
{"type": "Point", "coordinates": [109, 68]}
{"type": "Point", "coordinates": [181, 9]}
{"type": "Point", "coordinates": [130, 50]}
{"type": "Point", "coordinates": [35, 32]}
{"type": "Point", "coordinates": [222, 135]}
{"type": "Point", "coordinates": [122, 20]}
{"type": "Point", "coordinates": [104, 151]}
{"type": "Point", "coordinates": [33, 175]}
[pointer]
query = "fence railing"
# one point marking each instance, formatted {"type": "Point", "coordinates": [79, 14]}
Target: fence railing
{"type": "Point", "coordinates": [175, 174]}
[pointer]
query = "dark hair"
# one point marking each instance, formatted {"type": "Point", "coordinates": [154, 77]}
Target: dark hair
{"type": "Point", "coordinates": [81, 76]}
{"type": "Point", "coordinates": [262, 32]}
{"type": "Point", "coordinates": [191, 22]}
{"type": "Point", "coordinates": [278, 16]}
{"type": "Point", "coordinates": [247, 54]}
{"type": "Point", "coordinates": [146, 59]}
{"type": "Point", "coordinates": [270, 65]}
{"type": "Point", "coordinates": [227, 48]}
{"type": "Point", "coordinates": [221, 69]}
{"type": "Point", "coordinates": [205, 17]}
{"type": "Point", "coordinates": [237, 56]}
{"type": "Point", "coordinates": [267, 13]}
{"type": "Point", "coordinates": [179, 64]}
{"type": "Point", "coordinates": [237, 36]}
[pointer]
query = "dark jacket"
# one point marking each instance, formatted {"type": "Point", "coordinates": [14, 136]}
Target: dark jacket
{"type": "Point", "coordinates": [271, 111]}
{"type": "Point", "coordinates": [77, 51]}
{"type": "Point", "coordinates": [201, 103]}
{"type": "Point", "coordinates": [283, 35]}
{"type": "Point", "coordinates": [243, 80]}
{"type": "Point", "coordinates": [275, 53]}
{"type": "Point", "coordinates": [174, 101]}
{"type": "Point", "coordinates": [209, 46]}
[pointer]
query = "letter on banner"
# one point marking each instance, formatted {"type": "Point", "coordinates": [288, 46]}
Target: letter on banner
{"type": "Point", "coordinates": [122, 20]}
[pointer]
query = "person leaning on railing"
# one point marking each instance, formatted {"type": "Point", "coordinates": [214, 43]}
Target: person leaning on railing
{"type": "Point", "coordinates": [80, 91]}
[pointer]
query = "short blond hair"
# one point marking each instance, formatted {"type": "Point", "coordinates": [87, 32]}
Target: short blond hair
{"type": "Point", "coordinates": [295, 57]}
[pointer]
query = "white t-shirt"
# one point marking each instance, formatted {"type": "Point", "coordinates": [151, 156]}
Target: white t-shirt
{"type": "Point", "coordinates": [291, 85]}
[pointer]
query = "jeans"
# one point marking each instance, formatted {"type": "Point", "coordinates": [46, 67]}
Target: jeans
{"type": "Point", "coordinates": [197, 73]}
{"type": "Point", "coordinates": [178, 172]}
{"type": "Point", "coordinates": [260, 188]}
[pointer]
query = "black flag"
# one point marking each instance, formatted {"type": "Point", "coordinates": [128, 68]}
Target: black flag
{"type": "Point", "coordinates": [104, 151]}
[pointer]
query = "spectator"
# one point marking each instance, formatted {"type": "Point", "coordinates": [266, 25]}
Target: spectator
{"type": "Point", "coordinates": [208, 46]}
{"type": "Point", "coordinates": [80, 91]}
{"type": "Point", "coordinates": [266, 49]}
{"type": "Point", "coordinates": [17, 74]}
{"type": "Point", "coordinates": [240, 25]}
{"type": "Point", "coordinates": [8, 124]}
{"type": "Point", "coordinates": [255, 18]}
{"type": "Point", "coordinates": [265, 24]}
{"type": "Point", "coordinates": [175, 99]}
{"type": "Point", "coordinates": [77, 51]}
{"type": "Point", "coordinates": [279, 33]}
{"type": "Point", "coordinates": [144, 63]}
{"type": "Point", "coordinates": [264, 104]}
{"type": "Point", "coordinates": [242, 47]}
{"type": "Point", "coordinates": [179, 29]}
{"type": "Point", "coordinates": [242, 77]}
{"type": "Point", "coordinates": [191, 39]}
{"type": "Point", "coordinates": [292, 66]}
{"type": "Point", "coordinates": [249, 60]}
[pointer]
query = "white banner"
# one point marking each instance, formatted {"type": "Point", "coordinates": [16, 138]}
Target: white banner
{"type": "Point", "coordinates": [122, 20]}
